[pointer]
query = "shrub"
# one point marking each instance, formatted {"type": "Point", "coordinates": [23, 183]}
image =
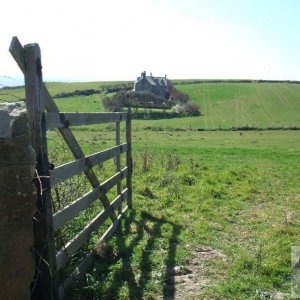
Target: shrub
{"type": "Point", "coordinates": [192, 109]}
{"type": "Point", "coordinates": [177, 95]}
{"type": "Point", "coordinates": [187, 109]}
{"type": "Point", "coordinates": [148, 100]}
{"type": "Point", "coordinates": [135, 100]}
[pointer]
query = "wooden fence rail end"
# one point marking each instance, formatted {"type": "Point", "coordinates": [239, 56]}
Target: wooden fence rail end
{"type": "Point", "coordinates": [17, 52]}
{"type": "Point", "coordinates": [65, 120]}
{"type": "Point", "coordinates": [72, 246]}
{"type": "Point", "coordinates": [74, 167]}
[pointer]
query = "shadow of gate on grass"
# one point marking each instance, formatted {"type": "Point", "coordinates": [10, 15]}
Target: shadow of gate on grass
{"type": "Point", "coordinates": [117, 267]}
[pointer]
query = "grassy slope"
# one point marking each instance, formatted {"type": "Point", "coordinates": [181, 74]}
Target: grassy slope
{"type": "Point", "coordinates": [58, 87]}
{"type": "Point", "coordinates": [224, 190]}
{"type": "Point", "coordinates": [80, 104]}
{"type": "Point", "coordinates": [244, 187]}
{"type": "Point", "coordinates": [243, 184]}
{"type": "Point", "coordinates": [224, 105]}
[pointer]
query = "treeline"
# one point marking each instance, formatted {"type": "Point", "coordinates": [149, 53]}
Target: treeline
{"type": "Point", "coordinates": [147, 100]}
{"type": "Point", "coordinates": [187, 82]}
{"type": "Point", "coordinates": [7, 88]}
{"type": "Point", "coordinates": [278, 81]}
{"type": "Point", "coordinates": [156, 115]}
{"type": "Point", "coordinates": [89, 92]}
{"type": "Point", "coordinates": [176, 94]}
{"type": "Point", "coordinates": [238, 129]}
{"type": "Point", "coordinates": [136, 100]}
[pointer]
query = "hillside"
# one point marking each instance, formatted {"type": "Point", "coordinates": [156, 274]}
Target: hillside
{"type": "Point", "coordinates": [226, 105]}
{"type": "Point", "coordinates": [215, 213]}
{"type": "Point", "coordinates": [241, 104]}
{"type": "Point", "coordinates": [223, 104]}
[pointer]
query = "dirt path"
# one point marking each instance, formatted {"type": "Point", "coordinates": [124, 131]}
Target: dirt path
{"type": "Point", "coordinates": [188, 281]}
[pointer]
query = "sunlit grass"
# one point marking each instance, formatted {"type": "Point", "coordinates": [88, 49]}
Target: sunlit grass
{"type": "Point", "coordinates": [230, 191]}
{"type": "Point", "coordinates": [195, 192]}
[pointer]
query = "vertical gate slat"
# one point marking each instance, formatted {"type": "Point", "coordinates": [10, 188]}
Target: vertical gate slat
{"type": "Point", "coordinates": [129, 158]}
{"type": "Point", "coordinates": [47, 278]}
{"type": "Point", "coordinates": [72, 143]}
{"type": "Point", "coordinates": [44, 248]}
{"type": "Point", "coordinates": [118, 160]}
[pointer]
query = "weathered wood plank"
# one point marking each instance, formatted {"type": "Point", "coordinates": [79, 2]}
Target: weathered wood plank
{"type": "Point", "coordinates": [77, 275]}
{"type": "Point", "coordinates": [129, 158]}
{"type": "Point", "coordinates": [43, 248]}
{"type": "Point", "coordinates": [17, 52]}
{"type": "Point", "coordinates": [112, 181]}
{"type": "Point", "coordinates": [88, 261]}
{"type": "Point", "coordinates": [107, 154]}
{"type": "Point", "coordinates": [61, 120]}
{"type": "Point", "coordinates": [73, 168]}
{"type": "Point", "coordinates": [113, 228]}
{"type": "Point", "coordinates": [71, 210]}
{"type": "Point", "coordinates": [72, 246]}
{"type": "Point", "coordinates": [118, 159]}
{"type": "Point", "coordinates": [72, 143]}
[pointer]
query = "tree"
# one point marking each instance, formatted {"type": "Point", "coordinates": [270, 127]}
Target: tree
{"type": "Point", "coordinates": [192, 109]}
{"type": "Point", "coordinates": [177, 95]}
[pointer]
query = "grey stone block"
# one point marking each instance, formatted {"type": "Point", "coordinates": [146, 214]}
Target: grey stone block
{"type": "Point", "coordinates": [17, 202]}
{"type": "Point", "coordinates": [13, 119]}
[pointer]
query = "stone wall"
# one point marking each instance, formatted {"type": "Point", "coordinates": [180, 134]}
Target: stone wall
{"type": "Point", "coordinates": [17, 202]}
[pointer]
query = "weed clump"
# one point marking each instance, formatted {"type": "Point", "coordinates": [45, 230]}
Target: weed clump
{"type": "Point", "coordinates": [146, 192]}
{"type": "Point", "coordinates": [167, 179]}
{"type": "Point", "coordinates": [188, 179]}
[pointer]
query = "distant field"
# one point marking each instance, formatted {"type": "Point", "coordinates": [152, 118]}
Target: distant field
{"type": "Point", "coordinates": [226, 105]}
{"type": "Point", "coordinates": [59, 87]}
{"type": "Point", "coordinates": [223, 105]}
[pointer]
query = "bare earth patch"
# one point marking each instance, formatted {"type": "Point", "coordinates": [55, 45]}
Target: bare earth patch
{"type": "Point", "coordinates": [188, 281]}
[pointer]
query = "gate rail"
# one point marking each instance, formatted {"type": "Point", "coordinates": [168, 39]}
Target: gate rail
{"type": "Point", "coordinates": [47, 283]}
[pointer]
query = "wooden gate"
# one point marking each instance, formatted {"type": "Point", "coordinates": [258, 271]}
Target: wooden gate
{"type": "Point", "coordinates": [48, 283]}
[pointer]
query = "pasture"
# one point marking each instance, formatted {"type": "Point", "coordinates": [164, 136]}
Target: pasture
{"type": "Point", "coordinates": [227, 105]}
{"type": "Point", "coordinates": [215, 212]}
{"type": "Point", "coordinates": [223, 105]}
{"type": "Point", "coordinates": [220, 207]}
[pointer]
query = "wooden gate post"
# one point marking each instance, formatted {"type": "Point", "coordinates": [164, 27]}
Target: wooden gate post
{"type": "Point", "coordinates": [129, 158]}
{"type": "Point", "coordinates": [42, 286]}
{"type": "Point", "coordinates": [118, 160]}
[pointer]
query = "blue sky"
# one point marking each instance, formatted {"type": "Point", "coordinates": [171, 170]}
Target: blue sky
{"type": "Point", "coordinates": [115, 40]}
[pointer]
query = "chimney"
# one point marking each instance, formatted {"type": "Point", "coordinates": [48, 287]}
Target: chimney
{"type": "Point", "coordinates": [144, 74]}
{"type": "Point", "coordinates": [166, 76]}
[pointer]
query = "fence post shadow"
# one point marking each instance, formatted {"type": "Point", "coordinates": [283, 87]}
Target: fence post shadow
{"type": "Point", "coordinates": [126, 273]}
{"type": "Point", "coordinates": [170, 263]}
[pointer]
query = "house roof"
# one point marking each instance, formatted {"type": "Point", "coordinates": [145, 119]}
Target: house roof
{"type": "Point", "coordinates": [154, 80]}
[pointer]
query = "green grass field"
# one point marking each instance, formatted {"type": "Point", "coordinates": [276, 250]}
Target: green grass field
{"type": "Point", "coordinates": [229, 191]}
{"type": "Point", "coordinates": [226, 105]}
{"type": "Point", "coordinates": [223, 105]}
{"type": "Point", "coordinates": [253, 104]}
{"type": "Point", "coordinates": [222, 207]}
